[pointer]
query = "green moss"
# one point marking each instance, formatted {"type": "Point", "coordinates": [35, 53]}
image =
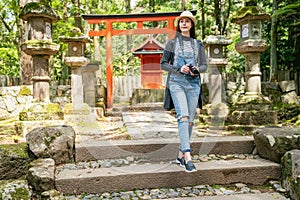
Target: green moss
{"type": "Point", "coordinates": [20, 149]}
{"type": "Point", "coordinates": [35, 8]}
{"type": "Point", "coordinates": [21, 193]}
{"type": "Point", "coordinates": [39, 43]}
{"type": "Point", "coordinates": [49, 139]}
{"type": "Point", "coordinates": [52, 107]}
{"type": "Point", "coordinates": [247, 10]}
{"type": "Point", "coordinates": [25, 91]}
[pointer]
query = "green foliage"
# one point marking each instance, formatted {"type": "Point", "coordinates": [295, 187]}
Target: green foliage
{"type": "Point", "coordinates": [9, 48]}
{"type": "Point", "coordinates": [236, 61]}
{"type": "Point", "coordinates": [124, 62]}
{"type": "Point", "coordinates": [9, 63]}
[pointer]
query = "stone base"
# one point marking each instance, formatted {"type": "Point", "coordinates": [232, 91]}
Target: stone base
{"type": "Point", "coordinates": [147, 96]}
{"type": "Point", "coordinates": [41, 111]}
{"type": "Point", "coordinates": [252, 101]}
{"type": "Point", "coordinates": [252, 109]}
{"type": "Point", "coordinates": [78, 109]}
{"type": "Point", "coordinates": [252, 117]}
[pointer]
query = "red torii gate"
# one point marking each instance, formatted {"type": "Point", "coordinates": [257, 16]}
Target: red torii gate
{"type": "Point", "coordinates": [108, 32]}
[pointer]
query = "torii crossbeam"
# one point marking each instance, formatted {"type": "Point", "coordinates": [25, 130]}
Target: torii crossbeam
{"type": "Point", "coordinates": [108, 32]}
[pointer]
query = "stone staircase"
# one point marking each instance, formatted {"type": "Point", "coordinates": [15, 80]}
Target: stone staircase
{"type": "Point", "coordinates": [159, 170]}
{"type": "Point", "coordinates": [155, 166]}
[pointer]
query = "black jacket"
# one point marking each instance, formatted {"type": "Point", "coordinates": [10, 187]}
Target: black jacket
{"type": "Point", "coordinates": [166, 63]}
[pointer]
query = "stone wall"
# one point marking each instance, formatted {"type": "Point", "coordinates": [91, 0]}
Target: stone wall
{"type": "Point", "coordinates": [281, 92]}
{"type": "Point", "coordinates": [14, 99]}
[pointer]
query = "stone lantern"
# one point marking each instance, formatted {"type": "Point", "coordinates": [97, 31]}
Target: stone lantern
{"type": "Point", "coordinates": [250, 18]}
{"type": "Point", "coordinates": [252, 108]}
{"type": "Point", "coordinates": [38, 44]}
{"type": "Point", "coordinates": [75, 59]}
{"type": "Point", "coordinates": [216, 61]}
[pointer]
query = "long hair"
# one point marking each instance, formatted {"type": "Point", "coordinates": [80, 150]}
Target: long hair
{"type": "Point", "coordinates": [192, 30]}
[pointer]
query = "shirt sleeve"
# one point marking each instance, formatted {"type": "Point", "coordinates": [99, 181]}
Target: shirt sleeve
{"type": "Point", "coordinates": [202, 63]}
{"type": "Point", "coordinates": [166, 62]}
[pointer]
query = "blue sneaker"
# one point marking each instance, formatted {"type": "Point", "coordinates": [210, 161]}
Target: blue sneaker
{"type": "Point", "coordinates": [180, 161]}
{"type": "Point", "coordinates": [189, 166]}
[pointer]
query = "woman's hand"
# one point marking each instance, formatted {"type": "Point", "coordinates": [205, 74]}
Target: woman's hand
{"type": "Point", "coordinates": [185, 69]}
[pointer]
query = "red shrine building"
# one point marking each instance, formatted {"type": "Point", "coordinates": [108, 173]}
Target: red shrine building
{"type": "Point", "coordinates": [150, 52]}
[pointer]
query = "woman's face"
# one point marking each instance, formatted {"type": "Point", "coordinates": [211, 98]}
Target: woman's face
{"type": "Point", "coordinates": [185, 24]}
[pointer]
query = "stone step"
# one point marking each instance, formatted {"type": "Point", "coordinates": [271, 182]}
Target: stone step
{"type": "Point", "coordinates": [261, 196]}
{"type": "Point", "coordinates": [161, 149]}
{"type": "Point", "coordinates": [165, 175]}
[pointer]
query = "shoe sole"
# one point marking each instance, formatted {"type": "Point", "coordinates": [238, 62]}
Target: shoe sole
{"type": "Point", "coordinates": [194, 170]}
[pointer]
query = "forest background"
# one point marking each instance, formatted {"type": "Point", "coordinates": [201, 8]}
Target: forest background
{"type": "Point", "coordinates": [282, 33]}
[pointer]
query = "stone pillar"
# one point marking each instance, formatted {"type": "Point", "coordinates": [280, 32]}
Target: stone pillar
{"type": "Point", "coordinates": [76, 60]}
{"type": "Point", "coordinates": [89, 83]}
{"type": "Point", "coordinates": [38, 35]}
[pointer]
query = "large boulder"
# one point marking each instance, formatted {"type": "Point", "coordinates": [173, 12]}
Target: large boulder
{"type": "Point", "coordinates": [56, 142]}
{"type": "Point", "coordinates": [14, 160]}
{"type": "Point", "coordinates": [273, 142]}
{"type": "Point", "coordinates": [290, 178]}
{"type": "Point", "coordinates": [41, 174]}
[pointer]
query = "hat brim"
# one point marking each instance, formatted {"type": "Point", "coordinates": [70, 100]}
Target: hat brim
{"type": "Point", "coordinates": [180, 17]}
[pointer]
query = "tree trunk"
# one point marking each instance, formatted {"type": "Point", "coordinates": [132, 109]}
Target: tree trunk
{"type": "Point", "coordinates": [128, 37]}
{"type": "Point", "coordinates": [202, 20]}
{"type": "Point", "coordinates": [217, 13]}
{"type": "Point", "coordinates": [273, 52]}
{"type": "Point", "coordinates": [182, 5]}
{"type": "Point", "coordinates": [77, 16]}
{"type": "Point", "coordinates": [227, 19]}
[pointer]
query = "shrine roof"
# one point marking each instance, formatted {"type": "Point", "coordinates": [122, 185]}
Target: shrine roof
{"type": "Point", "coordinates": [148, 45]}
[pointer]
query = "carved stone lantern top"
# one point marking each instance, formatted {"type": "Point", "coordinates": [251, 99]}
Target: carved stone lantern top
{"type": "Point", "coordinates": [75, 44]}
{"type": "Point", "coordinates": [36, 9]}
{"type": "Point", "coordinates": [215, 47]}
{"type": "Point", "coordinates": [76, 53]}
{"type": "Point", "coordinates": [250, 13]}
{"type": "Point", "coordinates": [250, 19]}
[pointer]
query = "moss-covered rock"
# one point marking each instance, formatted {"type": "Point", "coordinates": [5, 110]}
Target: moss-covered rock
{"type": "Point", "coordinates": [24, 90]}
{"type": "Point", "coordinates": [14, 160]}
{"type": "Point", "coordinates": [290, 178]}
{"type": "Point", "coordinates": [15, 190]}
{"type": "Point", "coordinates": [147, 96]}
{"type": "Point", "coordinates": [273, 142]}
{"type": "Point", "coordinates": [41, 111]}
{"type": "Point", "coordinates": [55, 142]}
{"type": "Point", "coordinates": [41, 174]}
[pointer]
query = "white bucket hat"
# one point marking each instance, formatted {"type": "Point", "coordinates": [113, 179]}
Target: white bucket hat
{"type": "Point", "coordinates": [187, 14]}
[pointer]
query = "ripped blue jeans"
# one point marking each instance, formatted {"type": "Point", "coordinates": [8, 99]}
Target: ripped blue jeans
{"type": "Point", "coordinates": [185, 92]}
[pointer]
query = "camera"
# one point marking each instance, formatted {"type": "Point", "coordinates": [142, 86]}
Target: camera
{"type": "Point", "coordinates": [194, 70]}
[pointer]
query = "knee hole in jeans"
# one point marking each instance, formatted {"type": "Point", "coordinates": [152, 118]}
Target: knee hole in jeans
{"type": "Point", "coordinates": [184, 119]}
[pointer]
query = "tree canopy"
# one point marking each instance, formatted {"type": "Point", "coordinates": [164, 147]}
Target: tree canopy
{"type": "Point", "coordinates": [210, 13]}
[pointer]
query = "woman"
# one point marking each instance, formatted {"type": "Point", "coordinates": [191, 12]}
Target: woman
{"type": "Point", "coordinates": [184, 59]}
